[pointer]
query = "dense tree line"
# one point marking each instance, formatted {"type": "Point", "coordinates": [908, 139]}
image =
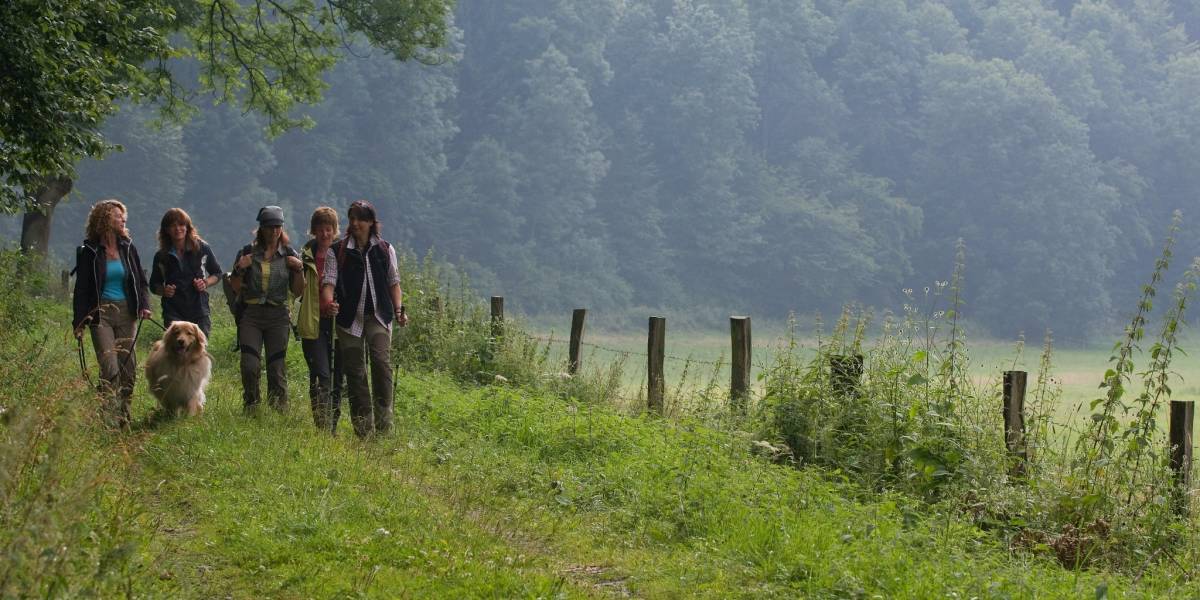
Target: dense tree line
{"type": "Point", "coordinates": [757, 156]}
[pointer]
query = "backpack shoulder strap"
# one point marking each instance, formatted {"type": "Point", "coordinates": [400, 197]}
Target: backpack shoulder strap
{"type": "Point", "coordinates": [341, 252]}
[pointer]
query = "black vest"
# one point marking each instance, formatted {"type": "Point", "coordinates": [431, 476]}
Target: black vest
{"type": "Point", "coordinates": [349, 288]}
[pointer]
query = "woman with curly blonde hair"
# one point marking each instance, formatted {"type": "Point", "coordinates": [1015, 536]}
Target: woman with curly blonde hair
{"type": "Point", "coordinates": [184, 268]}
{"type": "Point", "coordinates": [110, 296]}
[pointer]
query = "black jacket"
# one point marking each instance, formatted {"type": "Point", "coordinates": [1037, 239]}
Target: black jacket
{"type": "Point", "coordinates": [89, 279]}
{"type": "Point", "coordinates": [187, 304]}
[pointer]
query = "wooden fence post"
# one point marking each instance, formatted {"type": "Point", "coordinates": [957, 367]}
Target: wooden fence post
{"type": "Point", "coordinates": [845, 373]}
{"type": "Point", "coordinates": [573, 361]}
{"type": "Point", "coordinates": [497, 315]}
{"type": "Point", "coordinates": [656, 347]}
{"type": "Point", "coordinates": [1014, 420]}
{"type": "Point", "coordinates": [1182, 412]}
{"type": "Point", "coordinates": [66, 282]}
{"type": "Point", "coordinates": [739, 369]}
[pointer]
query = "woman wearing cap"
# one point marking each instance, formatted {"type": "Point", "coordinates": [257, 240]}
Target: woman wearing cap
{"type": "Point", "coordinates": [362, 275]}
{"type": "Point", "coordinates": [110, 295]}
{"type": "Point", "coordinates": [263, 274]}
{"type": "Point", "coordinates": [314, 323]}
{"type": "Point", "coordinates": [183, 270]}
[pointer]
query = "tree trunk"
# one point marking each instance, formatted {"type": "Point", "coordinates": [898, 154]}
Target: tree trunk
{"type": "Point", "coordinates": [35, 226]}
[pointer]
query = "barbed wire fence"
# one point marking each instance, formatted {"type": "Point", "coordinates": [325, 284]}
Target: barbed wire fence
{"type": "Point", "coordinates": [698, 390]}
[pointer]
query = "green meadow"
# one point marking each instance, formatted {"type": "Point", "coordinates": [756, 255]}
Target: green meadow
{"type": "Point", "coordinates": [518, 486]}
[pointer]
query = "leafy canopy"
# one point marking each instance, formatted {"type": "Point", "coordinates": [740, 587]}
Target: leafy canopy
{"type": "Point", "coordinates": [69, 62]}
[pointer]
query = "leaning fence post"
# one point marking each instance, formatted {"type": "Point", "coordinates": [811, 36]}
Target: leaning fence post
{"type": "Point", "coordinates": [577, 317]}
{"type": "Point", "coordinates": [66, 281]}
{"type": "Point", "coordinates": [497, 315]}
{"type": "Point", "coordinates": [655, 355]}
{"type": "Point", "coordinates": [1014, 420]}
{"type": "Point", "coordinates": [845, 373]}
{"type": "Point", "coordinates": [739, 371]}
{"type": "Point", "coordinates": [1182, 412]}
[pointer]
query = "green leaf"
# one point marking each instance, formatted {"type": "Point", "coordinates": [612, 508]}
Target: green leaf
{"type": "Point", "coordinates": [917, 379]}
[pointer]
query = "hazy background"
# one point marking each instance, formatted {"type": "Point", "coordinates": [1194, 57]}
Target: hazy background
{"type": "Point", "coordinates": [733, 157]}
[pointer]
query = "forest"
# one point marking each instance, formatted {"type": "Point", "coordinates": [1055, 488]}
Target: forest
{"type": "Point", "coordinates": [730, 156]}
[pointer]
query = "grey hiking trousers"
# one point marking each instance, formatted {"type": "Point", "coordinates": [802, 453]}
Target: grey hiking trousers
{"type": "Point", "coordinates": [270, 326]}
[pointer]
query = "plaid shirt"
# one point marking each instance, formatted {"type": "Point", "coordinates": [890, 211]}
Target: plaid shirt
{"type": "Point", "coordinates": [393, 278]}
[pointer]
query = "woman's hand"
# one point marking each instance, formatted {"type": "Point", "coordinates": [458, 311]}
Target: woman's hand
{"type": "Point", "coordinates": [168, 291]}
{"type": "Point", "coordinates": [329, 309]}
{"type": "Point", "coordinates": [243, 262]}
{"type": "Point", "coordinates": [294, 264]}
{"type": "Point", "coordinates": [144, 313]}
{"type": "Point", "coordinates": [200, 284]}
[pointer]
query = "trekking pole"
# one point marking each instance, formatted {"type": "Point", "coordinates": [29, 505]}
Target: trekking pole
{"type": "Point", "coordinates": [396, 359]}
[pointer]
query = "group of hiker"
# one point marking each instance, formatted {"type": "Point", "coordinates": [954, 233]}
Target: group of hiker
{"type": "Point", "coordinates": [348, 286]}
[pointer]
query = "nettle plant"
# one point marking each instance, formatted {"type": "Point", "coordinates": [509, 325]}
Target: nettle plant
{"type": "Point", "coordinates": [918, 423]}
{"type": "Point", "coordinates": [1117, 492]}
{"type": "Point", "coordinates": [910, 421]}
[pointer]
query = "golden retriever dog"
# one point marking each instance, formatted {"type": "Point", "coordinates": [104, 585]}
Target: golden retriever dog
{"type": "Point", "coordinates": [178, 369]}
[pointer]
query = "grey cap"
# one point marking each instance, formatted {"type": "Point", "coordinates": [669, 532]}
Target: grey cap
{"type": "Point", "coordinates": [270, 216]}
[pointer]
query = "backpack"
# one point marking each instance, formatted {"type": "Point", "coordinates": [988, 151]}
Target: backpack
{"type": "Point", "coordinates": [237, 305]}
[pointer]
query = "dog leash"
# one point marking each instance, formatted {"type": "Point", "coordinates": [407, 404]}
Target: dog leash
{"type": "Point", "coordinates": [83, 362]}
{"type": "Point", "coordinates": [79, 345]}
{"type": "Point", "coordinates": [132, 345]}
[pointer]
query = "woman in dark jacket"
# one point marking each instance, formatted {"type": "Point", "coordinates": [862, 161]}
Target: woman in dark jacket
{"type": "Point", "coordinates": [184, 268]}
{"type": "Point", "coordinates": [110, 296]}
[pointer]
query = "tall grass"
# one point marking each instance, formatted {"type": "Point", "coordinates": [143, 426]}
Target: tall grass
{"type": "Point", "coordinates": [65, 525]}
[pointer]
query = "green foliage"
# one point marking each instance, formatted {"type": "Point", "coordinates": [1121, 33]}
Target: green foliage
{"type": "Point", "coordinates": [1098, 449]}
{"type": "Point", "coordinates": [67, 527]}
{"type": "Point", "coordinates": [70, 63]}
{"type": "Point", "coordinates": [906, 425]}
{"type": "Point", "coordinates": [505, 489]}
{"type": "Point", "coordinates": [66, 65]}
{"type": "Point", "coordinates": [917, 422]}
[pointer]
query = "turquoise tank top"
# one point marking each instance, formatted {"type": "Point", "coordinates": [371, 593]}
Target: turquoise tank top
{"type": "Point", "coordinates": [114, 280]}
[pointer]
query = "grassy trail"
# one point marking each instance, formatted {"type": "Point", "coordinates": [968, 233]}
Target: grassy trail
{"type": "Point", "coordinates": [500, 492]}
{"type": "Point", "coordinates": [496, 492]}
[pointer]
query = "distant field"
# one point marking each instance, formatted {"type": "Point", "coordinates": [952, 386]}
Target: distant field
{"type": "Point", "coordinates": [1077, 370]}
